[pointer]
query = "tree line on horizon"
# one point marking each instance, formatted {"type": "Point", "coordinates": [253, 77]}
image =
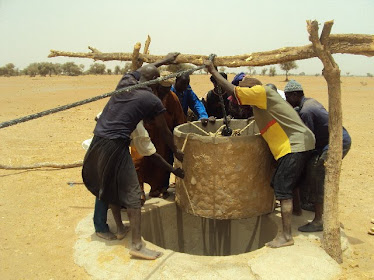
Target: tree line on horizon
{"type": "Point", "coordinates": [44, 69]}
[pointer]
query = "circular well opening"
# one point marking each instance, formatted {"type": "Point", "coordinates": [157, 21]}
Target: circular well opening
{"type": "Point", "coordinates": [170, 228]}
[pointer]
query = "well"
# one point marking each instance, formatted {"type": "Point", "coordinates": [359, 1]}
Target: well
{"type": "Point", "coordinates": [225, 177]}
{"type": "Point", "coordinates": [169, 227]}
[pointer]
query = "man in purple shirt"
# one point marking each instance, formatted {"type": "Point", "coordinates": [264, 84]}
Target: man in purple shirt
{"type": "Point", "coordinates": [108, 171]}
{"type": "Point", "coordinates": [316, 118]}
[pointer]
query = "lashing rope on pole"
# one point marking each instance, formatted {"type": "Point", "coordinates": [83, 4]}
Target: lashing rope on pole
{"type": "Point", "coordinates": [92, 99]}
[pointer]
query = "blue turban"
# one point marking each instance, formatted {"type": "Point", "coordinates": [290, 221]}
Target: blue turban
{"type": "Point", "coordinates": [238, 78]}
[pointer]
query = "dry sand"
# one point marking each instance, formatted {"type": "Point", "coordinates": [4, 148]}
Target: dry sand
{"type": "Point", "coordinates": [39, 210]}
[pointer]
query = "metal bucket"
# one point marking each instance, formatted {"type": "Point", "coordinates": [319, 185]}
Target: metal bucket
{"type": "Point", "coordinates": [225, 177]}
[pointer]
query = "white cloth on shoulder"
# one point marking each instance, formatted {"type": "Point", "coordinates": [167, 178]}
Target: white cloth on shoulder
{"type": "Point", "coordinates": [139, 139]}
{"type": "Point", "coordinates": [281, 93]}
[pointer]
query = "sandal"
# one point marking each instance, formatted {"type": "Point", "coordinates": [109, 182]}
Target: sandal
{"type": "Point", "coordinates": [310, 227]}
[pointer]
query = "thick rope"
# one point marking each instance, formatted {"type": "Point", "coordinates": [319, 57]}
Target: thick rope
{"type": "Point", "coordinates": [92, 99]}
{"type": "Point", "coordinates": [248, 125]}
{"type": "Point", "coordinates": [43, 165]}
{"type": "Point", "coordinates": [202, 130]}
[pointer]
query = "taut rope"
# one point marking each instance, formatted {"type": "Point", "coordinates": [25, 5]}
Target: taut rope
{"type": "Point", "coordinates": [92, 99]}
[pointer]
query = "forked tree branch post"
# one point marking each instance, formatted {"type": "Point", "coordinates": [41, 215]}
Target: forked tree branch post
{"type": "Point", "coordinates": [331, 72]}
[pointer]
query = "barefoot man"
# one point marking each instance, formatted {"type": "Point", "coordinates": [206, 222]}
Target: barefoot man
{"type": "Point", "coordinates": [289, 140]}
{"type": "Point", "coordinates": [108, 171]}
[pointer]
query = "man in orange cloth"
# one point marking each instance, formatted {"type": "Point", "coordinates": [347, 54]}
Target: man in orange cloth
{"type": "Point", "coordinates": [148, 172]}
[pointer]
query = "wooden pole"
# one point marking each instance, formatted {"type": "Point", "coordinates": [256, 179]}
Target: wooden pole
{"type": "Point", "coordinates": [135, 56]}
{"type": "Point", "coordinates": [146, 45]}
{"type": "Point", "coordinates": [331, 72]}
{"type": "Point", "coordinates": [342, 43]}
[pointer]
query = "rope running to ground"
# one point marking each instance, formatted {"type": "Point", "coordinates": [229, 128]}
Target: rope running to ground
{"type": "Point", "coordinates": [182, 180]}
{"type": "Point", "coordinates": [92, 99]}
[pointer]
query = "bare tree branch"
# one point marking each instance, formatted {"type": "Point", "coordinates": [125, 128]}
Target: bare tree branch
{"type": "Point", "coordinates": [358, 44]}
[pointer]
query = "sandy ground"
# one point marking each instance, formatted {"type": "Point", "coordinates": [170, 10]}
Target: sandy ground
{"type": "Point", "coordinates": [39, 210]}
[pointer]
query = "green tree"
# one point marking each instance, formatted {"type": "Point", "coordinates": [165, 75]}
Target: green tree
{"type": "Point", "coordinates": [117, 70]}
{"type": "Point", "coordinates": [272, 71]}
{"type": "Point", "coordinates": [251, 70]}
{"type": "Point", "coordinates": [71, 69]}
{"type": "Point", "coordinates": [126, 68]}
{"type": "Point", "coordinates": [3, 71]}
{"type": "Point", "coordinates": [32, 69]}
{"type": "Point", "coordinates": [9, 70]}
{"type": "Point", "coordinates": [45, 68]}
{"type": "Point", "coordinates": [369, 74]}
{"type": "Point", "coordinates": [97, 69]}
{"type": "Point", "coordinates": [263, 71]}
{"type": "Point", "coordinates": [287, 66]}
{"type": "Point", "coordinates": [57, 69]}
{"type": "Point", "coordinates": [109, 71]}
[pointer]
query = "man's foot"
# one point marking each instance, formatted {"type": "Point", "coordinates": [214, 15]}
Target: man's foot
{"type": "Point", "coordinates": [280, 241]}
{"type": "Point", "coordinates": [165, 195]}
{"type": "Point", "coordinates": [121, 233]}
{"type": "Point", "coordinates": [106, 235]}
{"type": "Point", "coordinates": [144, 253]}
{"type": "Point", "coordinates": [311, 227]}
{"type": "Point", "coordinates": [307, 206]}
{"type": "Point", "coordinates": [155, 193]}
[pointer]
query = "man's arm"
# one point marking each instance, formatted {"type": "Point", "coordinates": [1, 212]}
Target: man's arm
{"type": "Point", "coordinates": [157, 159]}
{"type": "Point", "coordinates": [196, 105]}
{"type": "Point", "coordinates": [225, 84]}
{"type": "Point", "coordinates": [161, 125]}
{"type": "Point", "coordinates": [168, 59]}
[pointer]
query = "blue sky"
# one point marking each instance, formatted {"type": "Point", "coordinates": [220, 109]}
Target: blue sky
{"type": "Point", "coordinates": [29, 29]}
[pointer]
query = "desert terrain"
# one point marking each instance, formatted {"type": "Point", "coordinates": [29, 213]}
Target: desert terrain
{"type": "Point", "coordinates": [39, 210]}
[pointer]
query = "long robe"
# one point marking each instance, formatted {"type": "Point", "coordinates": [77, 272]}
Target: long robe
{"type": "Point", "coordinates": [148, 172]}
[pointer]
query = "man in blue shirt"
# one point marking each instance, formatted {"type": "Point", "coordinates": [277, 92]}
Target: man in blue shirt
{"type": "Point", "coordinates": [188, 99]}
{"type": "Point", "coordinates": [316, 118]}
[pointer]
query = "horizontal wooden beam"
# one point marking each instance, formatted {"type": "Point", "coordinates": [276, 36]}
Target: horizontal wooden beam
{"type": "Point", "coordinates": [358, 44]}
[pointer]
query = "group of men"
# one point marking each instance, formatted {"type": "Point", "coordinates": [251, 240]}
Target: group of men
{"type": "Point", "coordinates": [296, 136]}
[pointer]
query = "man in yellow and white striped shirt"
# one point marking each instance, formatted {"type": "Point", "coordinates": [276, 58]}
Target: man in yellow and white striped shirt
{"type": "Point", "coordinates": [288, 138]}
